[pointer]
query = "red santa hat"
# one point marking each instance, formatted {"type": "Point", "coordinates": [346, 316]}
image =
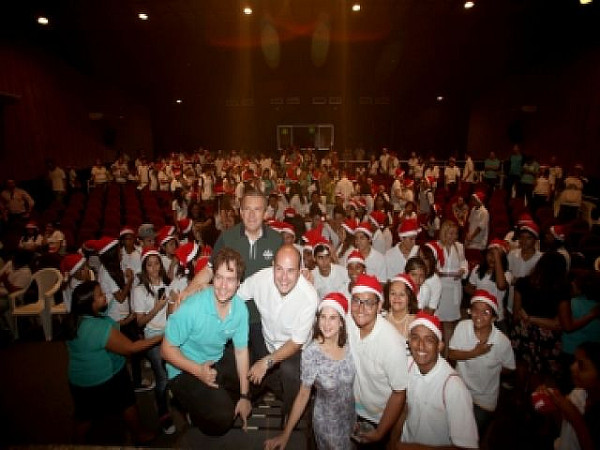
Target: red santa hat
{"type": "Point", "coordinates": [524, 218]}
{"type": "Point", "coordinates": [364, 227]}
{"type": "Point", "coordinates": [149, 251]}
{"type": "Point", "coordinates": [559, 232]}
{"type": "Point", "coordinates": [378, 218]}
{"type": "Point", "coordinates": [499, 243]}
{"type": "Point", "coordinates": [355, 256]}
{"type": "Point", "coordinates": [428, 321]}
{"type": "Point", "coordinates": [408, 228]}
{"type": "Point", "coordinates": [368, 283]}
{"type": "Point", "coordinates": [126, 230]}
{"type": "Point", "coordinates": [337, 301]}
{"type": "Point", "coordinates": [438, 252]}
{"type": "Point", "coordinates": [185, 225]}
{"type": "Point", "coordinates": [349, 225]}
{"type": "Point", "coordinates": [186, 253]}
{"type": "Point", "coordinates": [408, 183]}
{"type": "Point", "coordinates": [71, 263]}
{"type": "Point", "coordinates": [479, 196]}
{"type": "Point", "coordinates": [399, 173]}
{"type": "Point", "coordinates": [289, 212]}
{"type": "Point", "coordinates": [288, 228]}
{"type": "Point", "coordinates": [32, 225]}
{"type": "Point", "coordinates": [531, 227]}
{"type": "Point", "coordinates": [484, 296]}
{"type": "Point", "coordinates": [313, 235]}
{"type": "Point", "coordinates": [101, 245]}
{"type": "Point", "coordinates": [165, 234]}
{"type": "Point", "coordinates": [201, 263]}
{"type": "Point", "coordinates": [431, 180]}
{"type": "Point", "coordinates": [408, 281]}
{"type": "Point", "coordinates": [323, 242]}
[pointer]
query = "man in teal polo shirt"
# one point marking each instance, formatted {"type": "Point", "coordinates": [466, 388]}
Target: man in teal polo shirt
{"type": "Point", "coordinates": [211, 384]}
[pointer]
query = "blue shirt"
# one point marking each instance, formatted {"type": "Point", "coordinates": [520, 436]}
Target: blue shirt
{"type": "Point", "coordinates": [90, 363]}
{"type": "Point", "coordinates": [200, 333]}
{"type": "Point", "coordinates": [581, 306]}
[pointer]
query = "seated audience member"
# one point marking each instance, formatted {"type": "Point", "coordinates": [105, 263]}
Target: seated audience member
{"type": "Point", "coordinates": [166, 241]}
{"type": "Point", "coordinates": [327, 276]}
{"type": "Point", "coordinates": [287, 304]}
{"type": "Point", "coordinates": [130, 254]}
{"type": "Point", "coordinates": [31, 240]}
{"type": "Point", "coordinates": [379, 355]}
{"type": "Point", "coordinates": [54, 239]}
{"type": "Point", "coordinates": [207, 379]}
{"type": "Point", "coordinates": [98, 378]}
{"type": "Point", "coordinates": [482, 353]}
{"type": "Point", "coordinates": [439, 406]}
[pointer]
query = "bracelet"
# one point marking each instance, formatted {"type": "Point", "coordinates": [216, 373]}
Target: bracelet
{"type": "Point", "coordinates": [171, 302]}
{"type": "Point", "coordinates": [245, 396]}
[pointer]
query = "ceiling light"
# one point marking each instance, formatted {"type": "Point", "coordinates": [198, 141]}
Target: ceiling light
{"type": "Point", "coordinates": [469, 5]}
{"type": "Point", "coordinates": [356, 7]}
{"type": "Point", "coordinates": [440, 98]}
{"type": "Point", "coordinates": [42, 20]}
{"type": "Point", "coordinates": [585, 2]}
{"type": "Point", "coordinates": [143, 16]}
{"type": "Point", "coordinates": [247, 10]}
{"type": "Point", "coordinates": [179, 101]}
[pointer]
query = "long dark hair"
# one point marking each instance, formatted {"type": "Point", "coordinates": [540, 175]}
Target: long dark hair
{"type": "Point", "coordinates": [342, 336]}
{"type": "Point", "coordinates": [81, 305]}
{"type": "Point", "coordinates": [484, 266]}
{"type": "Point", "coordinates": [145, 279]}
{"type": "Point", "coordinates": [110, 261]}
{"type": "Point", "coordinates": [550, 272]}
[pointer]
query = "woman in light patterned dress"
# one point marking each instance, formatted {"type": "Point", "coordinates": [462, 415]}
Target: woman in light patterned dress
{"type": "Point", "coordinates": [327, 365]}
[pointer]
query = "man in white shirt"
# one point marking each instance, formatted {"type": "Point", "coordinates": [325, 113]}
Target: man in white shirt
{"type": "Point", "coordinates": [344, 187]}
{"type": "Point", "coordinates": [451, 175]}
{"type": "Point", "coordinates": [469, 170]}
{"type": "Point", "coordinates": [439, 406]}
{"type": "Point", "coordinates": [479, 224]}
{"type": "Point", "coordinates": [327, 277]}
{"type": "Point", "coordinates": [381, 374]}
{"type": "Point", "coordinates": [287, 303]}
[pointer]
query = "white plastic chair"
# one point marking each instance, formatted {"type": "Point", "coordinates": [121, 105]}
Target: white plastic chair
{"type": "Point", "coordinates": [48, 283]}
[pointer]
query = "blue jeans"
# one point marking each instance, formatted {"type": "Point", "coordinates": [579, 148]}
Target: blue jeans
{"type": "Point", "coordinates": [160, 376]}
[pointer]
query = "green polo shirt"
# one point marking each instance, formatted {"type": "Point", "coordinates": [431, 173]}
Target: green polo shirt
{"type": "Point", "coordinates": [256, 256]}
{"type": "Point", "coordinates": [200, 333]}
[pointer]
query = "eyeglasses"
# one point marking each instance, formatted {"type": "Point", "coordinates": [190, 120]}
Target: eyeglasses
{"type": "Point", "coordinates": [368, 303]}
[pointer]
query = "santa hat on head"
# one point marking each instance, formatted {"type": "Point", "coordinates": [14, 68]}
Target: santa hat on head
{"type": "Point", "coordinates": [524, 218]}
{"type": "Point", "coordinates": [368, 283]}
{"type": "Point", "coordinates": [336, 301]}
{"type": "Point", "coordinates": [289, 213]}
{"type": "Point", "coordinates": [531, 227]}
{"type": "Point", "coordinates": [355, 256]}
{"type": "Point", "coordinates": [399, 173]}
{"type": "Point", "coordinates": [364, 227]}
{"type": "Point", "coordinates": [185, 225]}
{"type": "Point", "coordinates": [430, 180]}
{"type": "Point", "coordinates": [273, 223]}
{"type": "Point", "coordinates": [201, 263]}
{"type": "Point", "coordinates": [71, 263]}
{"type": "Point", "coordinates": [286, 227]}
{"type": "Point", "coordinates": [248, 175]}
{"type": "Point", "coordinates": [377, 218]}
{"type": "Point", "coordinates": [165, 234]}
{"type": "Point", "coordinates": [32, 225]}
{"type": "Point", "coordinates": [314, 234]}
{"type": "Point", "coordinates": [149, 251]}
{"type": "Point", "coordinates": [499, 243]}
{"type": "Point", "coordinates": [349, 225]}
{"type": "Point", "coordinates": [101, 245]}
{"type": "Point", "coordinates": [559, 232]}
{"type": "Point", "coordinates": [321, 241]}
{"type": "Point", "coordinates": [428, 321]}
{"type": "Point", "coordinates": [408, 183]}
{"type": "Point", "coordinates": [126, 230]}
{"type": "Point", "coordinates": [438, 252]}
{"type": "Point", "coordinates": [484, 296]}
{"type": "Point", "coordinates": [479, 196]}
{"type": "Point", "coordinates": [408, 228]}
{"type": "Point", "coordinates": [408, 281]}
{"type": "Point", "coordinates": [186, 253]}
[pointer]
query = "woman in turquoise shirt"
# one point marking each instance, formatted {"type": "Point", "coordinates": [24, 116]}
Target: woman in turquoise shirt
{"type": "Point", "coordinates": [98, 378]}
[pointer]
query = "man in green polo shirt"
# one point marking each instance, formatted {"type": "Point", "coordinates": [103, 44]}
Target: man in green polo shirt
{"type": "Point", "coordinates": [209, 382]}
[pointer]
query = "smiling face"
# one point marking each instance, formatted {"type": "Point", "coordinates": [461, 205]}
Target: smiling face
{"type": "Point", "coordinates": [362, 241]}
{"type": "Point", "coordinates": [354, 270]}
{"type": "Point", "coordinates": [425, 347]}
{"type": "Point", "coordinates": [330, 323]}
{"type": "Point", "coordinates": [399, 297]}
{"type": "Point", "coordinates": [225, 282]}
{"type": "Point", "coordinates": [364, 309]}
{"type": "Point", "coordinates": [482, 315]}
{"type": "Point", "coordinates": [152, 266]}
{"type": "Point", "coordinates": [286, 269]}
{"type": "Point", "coordinates": [252, 213]}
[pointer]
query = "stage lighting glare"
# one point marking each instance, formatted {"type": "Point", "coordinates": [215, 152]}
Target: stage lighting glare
{"type": "Point", "coordinates": [143, 16]}
{"type": "Point", "coordinates": [42, 20]}
{"type": "Point", "coordinates": [469, 5]}
{"type": "Point", "coordinates": [356, 7]}
{"type": "Point", "coordinates": [247, 10]}
{"type": "Point", "coordinates": [585, 2]}
{"type": "Point", "coordinates": [440, 98]}
{"type": "Point", "coordinates": [179, 101]}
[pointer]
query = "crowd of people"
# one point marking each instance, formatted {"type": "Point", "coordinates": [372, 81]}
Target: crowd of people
{"type": "Point", "coordinates": [384, 289]}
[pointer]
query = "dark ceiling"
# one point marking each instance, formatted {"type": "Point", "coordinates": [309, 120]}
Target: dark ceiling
{"type": "Point", "coordinates": [207, 52]}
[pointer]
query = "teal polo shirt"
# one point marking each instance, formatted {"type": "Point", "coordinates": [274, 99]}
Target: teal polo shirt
{"type": "Point", "coordinates": [199, 332]}
{"type": "Point", "coordinates": [90, 363]}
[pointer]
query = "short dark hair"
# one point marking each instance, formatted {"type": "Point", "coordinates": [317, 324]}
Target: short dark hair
{"type": "Point", "coordinates": [342, 337]}
{"type": "Point", "coordinates": [251, 192]}
{"type": "Point", "coordinates": [231, 259]}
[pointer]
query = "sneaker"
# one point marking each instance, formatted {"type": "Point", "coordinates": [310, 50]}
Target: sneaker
{"type": "Point", "coordinates": [146, 385]}
{"type": "Point", "coordinates": [166, 422]}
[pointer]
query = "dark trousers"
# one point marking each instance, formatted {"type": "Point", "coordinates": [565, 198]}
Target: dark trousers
{"type": "Point", "coordinates": [283, 379]}
{"type": "Point", "coordinates": [210, 409]}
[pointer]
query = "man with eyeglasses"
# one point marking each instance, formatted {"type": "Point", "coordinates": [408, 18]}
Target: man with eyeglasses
{"type": "Point", "coordinates": [379, 355]}
{"type": "Point", "coordinates": [482, 353]}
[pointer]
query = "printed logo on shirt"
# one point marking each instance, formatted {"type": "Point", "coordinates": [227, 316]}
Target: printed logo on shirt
{"type": "Point", "coordinates": [268, 254]}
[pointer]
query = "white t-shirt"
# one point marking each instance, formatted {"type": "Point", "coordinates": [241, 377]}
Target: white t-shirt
{"type": "Point", "coordinates": [395, 260]}
{"type": "Point", "coordinates": [131, 260]}
{"type": "Point", "coordinates": [375, 263]}
{"type": "Point", "coordinates": [482, 374]}
{"type": "Point", "coordinates": [440, 409]}
{"type": "Point", "coordinates": [142, 302]}
{"type": "Point", "coordinates": [337, 281]}
{"type": "Point", "coordinates": [116, 311]}
{"type": "Point", "coordinates": [479, 218]}
{"type": "Point", "coordinates": [568, 438]}
{"type": "Point", "coordinates": [283, 318]}
{"type": "Point", "coordinates": [381, 366]}
{"type": "Point", "coordinates": [430, 293]}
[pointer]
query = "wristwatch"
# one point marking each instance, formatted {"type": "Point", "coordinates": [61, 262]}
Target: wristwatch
{"type": "Point", "coordinates": [270, 363]}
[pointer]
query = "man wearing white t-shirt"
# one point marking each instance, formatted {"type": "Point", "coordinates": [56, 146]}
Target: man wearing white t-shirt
{"type": "Point", "coordinates": [328, 277]}
{"type": "Point", "coordinates": [478, 223]}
